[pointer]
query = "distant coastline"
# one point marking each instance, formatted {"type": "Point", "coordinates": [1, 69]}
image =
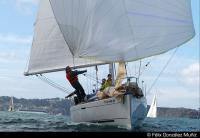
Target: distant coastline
{"type": "Point", "coordinates": [177, 112]}
{"type": "Point", "coordinates": [57, 106]}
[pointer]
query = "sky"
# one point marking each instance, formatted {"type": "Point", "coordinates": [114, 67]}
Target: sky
{"type": "Point", "coordinates": [178, 85]}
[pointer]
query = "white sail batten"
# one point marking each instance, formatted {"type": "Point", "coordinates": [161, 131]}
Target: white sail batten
{"type": "Point", "coordinates": [50, 51]}
{"type": "Point", "coordinates": [123, 30]}
{"type": "Point", "coordinates": [82, 33]}
{"type": "Point", "coordinates": [152, 113]}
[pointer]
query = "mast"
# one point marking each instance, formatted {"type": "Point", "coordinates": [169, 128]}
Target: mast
{"type": "Point", "coordinates": [96, 69]}
{"type": "Point", "coordinates": [139, 72]}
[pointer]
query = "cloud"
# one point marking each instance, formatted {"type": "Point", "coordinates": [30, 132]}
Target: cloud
{"type": "Point", "coordinates": [190, 74]}
{"type": "Point", "coordinates": [15, 39]}
{"type": "Point", "coordinates": [21, 2]}
{"type": "Point", "coordinates": [26, 6]}
{"type": "Point", "coordinates": [6, 55]}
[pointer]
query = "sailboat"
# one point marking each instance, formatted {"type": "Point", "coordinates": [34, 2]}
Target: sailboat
{"type": "Point", "coordinates": [88, 33]}
{"type": "Point", "coordinates": [11, 105]}
{"type": "Point", "coordinates": [152, 113]}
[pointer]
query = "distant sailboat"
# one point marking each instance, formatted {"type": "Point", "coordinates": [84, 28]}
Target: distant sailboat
{"type": "Point", "coordinates": [11, 105]}
{"type": "Point", "coordinates": [153, 109]}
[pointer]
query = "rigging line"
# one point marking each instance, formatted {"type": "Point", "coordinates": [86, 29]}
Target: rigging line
{"type": "Point", "coordinates": [115, 71]}
{"type": "Point", "coordinates": [51, 83]}
{"type": "Point", "coordinates": [91, 78]}
{"type": "Point", "coordinates": [42, 79]}
{"type": "Point", "coordinates": [60, 88]}
{"type": "Point", "coordinates": [54, 83]}
{"type": "Point", "coordinates": [87, 85]}
{"type": "Point", "coordinates": [155, 81]}
{"type": "Point", "coordinates": [139, 71]}
{"type": "Point", "coordinates": [128, 70]}
{"type": "Point", "coordinates": [146, 65]}
{"type": "Point", "coordinates": [126, 64]}
{"type": "Point", "coordinates": [97, 77]}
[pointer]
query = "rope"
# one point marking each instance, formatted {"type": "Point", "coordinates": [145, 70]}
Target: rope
{"type": "Point", "coordinates": [155, 81]}
{"type": "Point", "coordinates": [91, 78]}
{"type": "Point", "coordinates": [144, 67]}
{"type": "Point", "coordinates": [53, 84]}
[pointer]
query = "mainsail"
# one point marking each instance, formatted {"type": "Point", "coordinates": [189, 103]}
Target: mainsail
{"type": "Point", "coordinates": [82, 33]}
{"type": "Point", "coordinates": [152, 113]}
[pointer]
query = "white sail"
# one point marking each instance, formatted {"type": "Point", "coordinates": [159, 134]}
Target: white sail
{"type": "Point", "coordinates": [152, 113]}
{"type": "Point", "coordinates": [11, 105]}
{"type": "Point", "coordinates": [49, 49]}
{"type": "Point", "coordinates": [123, 30]}
{"type": "Point", "coordinates": [67, 31]}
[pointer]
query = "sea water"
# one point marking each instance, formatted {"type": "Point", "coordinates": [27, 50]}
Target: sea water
{"type": "Point", "coordinates": [31, 122]}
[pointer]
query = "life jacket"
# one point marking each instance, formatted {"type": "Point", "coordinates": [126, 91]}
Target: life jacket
{"type": "Point", "coordinates": [72, 78]}
{"type": "Point", "coordinates": [108, 83]}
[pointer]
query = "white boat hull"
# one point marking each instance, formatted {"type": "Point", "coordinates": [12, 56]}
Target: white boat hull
{"type": "Point", "coordinates": [129, 112]}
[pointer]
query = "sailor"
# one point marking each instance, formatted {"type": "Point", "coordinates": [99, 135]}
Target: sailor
{"type": "Point", "coordinates": [103, 84]}
{"type": "Point", "coordinates": [108, 82]}
{"type": "Point", "coordinates": [72, 77]}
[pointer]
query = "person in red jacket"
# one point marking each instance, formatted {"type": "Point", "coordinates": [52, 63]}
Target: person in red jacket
{"type": "Point", "coordinates": [72, 77]}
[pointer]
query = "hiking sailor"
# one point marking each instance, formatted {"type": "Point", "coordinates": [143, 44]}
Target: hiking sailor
{"type": "Point", "coordinates": [72, 77]}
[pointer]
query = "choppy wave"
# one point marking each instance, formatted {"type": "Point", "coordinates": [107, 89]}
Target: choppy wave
{"type": "Point", "coordinates": [29, 122]}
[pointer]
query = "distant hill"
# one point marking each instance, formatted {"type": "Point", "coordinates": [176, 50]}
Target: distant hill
{"type": "Point", "coordinates": [51, 106]}
{"type": "Point", "coordinates": [62, 106]}
{"type": "Point", "coordinates": [177, 112]}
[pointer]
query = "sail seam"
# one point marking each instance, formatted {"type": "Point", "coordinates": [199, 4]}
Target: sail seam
{"type": "Point", "coordinates": [133, 34]}
{"type": "Point", "coordinates": [60, 29]}
{"type": "Point", "coordinates": [160, 8]}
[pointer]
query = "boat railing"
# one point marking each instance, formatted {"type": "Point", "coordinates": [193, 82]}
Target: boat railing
{"type": "Point", "coordinates": [130, 78]}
